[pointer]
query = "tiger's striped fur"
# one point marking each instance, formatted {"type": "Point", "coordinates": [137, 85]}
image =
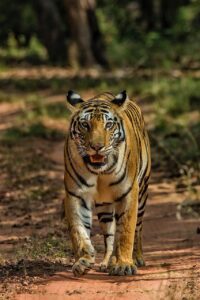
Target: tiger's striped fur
{"type": "Point", "coordinates": [107, 165]}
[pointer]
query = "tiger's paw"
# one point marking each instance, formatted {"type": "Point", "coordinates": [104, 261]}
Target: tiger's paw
{"type": "Point", "coordinates": [140, 262]}
{"type": "Point", "coordinates": [123, 269]}
{"type": "Point", "coordinates": [103, 268]}
{"type": "Point", "coordinates": [105, 264]}
{"type": "Point", "coordinates": [81, 267]}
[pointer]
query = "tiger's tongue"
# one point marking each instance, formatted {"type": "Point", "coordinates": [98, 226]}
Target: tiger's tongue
{"type": "Point", "coordinates": [96, 158]}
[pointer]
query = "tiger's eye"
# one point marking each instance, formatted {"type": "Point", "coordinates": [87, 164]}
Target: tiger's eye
{"type": "Point", "coordinates": [109, 125]}
{"type": "Point", "coordinates": [85, 125]}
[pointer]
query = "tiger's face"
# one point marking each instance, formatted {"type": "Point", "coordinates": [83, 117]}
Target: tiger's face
{"type": "Point", "coordinates": [97, 130]}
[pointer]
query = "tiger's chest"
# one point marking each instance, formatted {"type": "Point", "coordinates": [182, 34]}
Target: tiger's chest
{"type": "Point", "coordinates": [107, 189]}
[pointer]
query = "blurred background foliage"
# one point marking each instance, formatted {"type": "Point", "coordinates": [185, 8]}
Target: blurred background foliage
{"type": "Point", "coordinates": [144, 33]}
{"type": "Point", "coordinates": [149, 47]}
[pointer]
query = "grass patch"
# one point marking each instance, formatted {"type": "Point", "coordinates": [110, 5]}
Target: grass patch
{"type": "Point", "coordinates": [178, 143]}
{"type": "Point", "coordinates": [176, 131]}
{"type": "Point", "coordinates": [37, 130]}
{"type": "Point", "coordinates": [51, 247]}
{"type": "Point", "coordinates": [11, 96]}
{"type": "Point", "coordinates": [176, 96]}
{"type": "Point", "coordinates": [34, 201]}
{"type": "Point", "coordinates": [34, 54]}
{"type": "Point", "coordinates": [54, 110]}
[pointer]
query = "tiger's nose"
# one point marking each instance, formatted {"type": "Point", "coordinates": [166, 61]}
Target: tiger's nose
{"type": "Point", "coordinates": [96, 146]}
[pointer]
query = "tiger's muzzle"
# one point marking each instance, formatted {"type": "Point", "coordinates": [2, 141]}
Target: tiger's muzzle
{"type": "Point", "coordinates": [96, 157]}
{"type": "Point", "coordinates": [96, 160]}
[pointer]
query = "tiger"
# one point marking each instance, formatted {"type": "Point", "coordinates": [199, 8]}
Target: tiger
{"type": "Point", "coordinates": [107, 168]}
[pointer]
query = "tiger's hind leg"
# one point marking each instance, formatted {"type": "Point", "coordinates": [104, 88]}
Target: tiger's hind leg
{"type": "Point", "coordinates": [106, 218]}
{"type": "Point", "coordinates": [79, 218]}
{"type": "Point", "coordinates": [137, 251]}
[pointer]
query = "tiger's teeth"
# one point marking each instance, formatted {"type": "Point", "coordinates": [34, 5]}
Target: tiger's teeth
{"type": "Point", "coordinates": [97, 158]}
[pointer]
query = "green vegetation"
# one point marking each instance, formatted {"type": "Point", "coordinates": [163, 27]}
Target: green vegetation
{"type": "Point", "coordinates": [51, 247]}
{"type": "Point", "coordinates": [177, 123]}
{"type": "Point", "coordinates": [174, 48]}
{"type": "Point", "coordinates": [35, 53]}
{"type": "Point", "coordinates": [34, 130]}
{"type": "Point", "coordinates": [153, 34]}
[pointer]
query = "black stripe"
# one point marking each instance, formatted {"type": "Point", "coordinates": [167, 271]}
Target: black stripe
{"type": "Point", "coordinates": [104, 214]}
{"type": "Point", "coordinates": [106, 220]}
{"type": "Point", "coordinates": [102, 204]}
{"type": "Point", "coordinates": [119, 216]}
{"type": "Point", "coordinates": [138, 116]}
{"type": "Point", "coordinates": [91, 171]}
{"type": "Point", "coordinates": [72, 177]}
{"type": "Point", "coordinates": [80, 178]}
{"type": "Point", "coordinates": [110, 169]}
{"type": "Point", "coordinates": [146, 168]}
{"type": "Point", "coordinates": [72, 128]}
{"type": "Point", "coordinates": [132, 119]}
{"type": "Point", "coordinates": [144, 182]}
{"type": "Point", "coordinates": [143, 191]}
{"type": "Point", "coordinates": [123, 135]}
{"type": "Point", "coordinates": [123, 195]}
{"type": "Point", "coordinates": [140, 214]}
{"type": "Point", "coordinates": [84, 216]}
{"type": "Point", "coordinates": [89, 110]}
{"type": "Point", "coordinates": [138, 224]}
{"type": "Point", "coordinates": [129, 117]}
{"type": "Point", "coordinates": [123, 158]}
{"type": "Point", "coordinates": [140, 158]}
{"type": "Point", "coordinates": [105, 111]}
{"type": "Point", "coordinates": [143, 175]}
{"type": "Point", "coordinates": [143, 204]}
{"type": "Point", "coordinates": [108, 235]}
{"type": "Point", "coordinates": [87, 226]}
{"type": "Point", "coordinates": [83, 203]}
{"type": "Point", "coordinates": [147, 178]}
{"type": "Point", "coordinates": [134, 123]}
{"type": "Point", "coordinates": [122, 176]}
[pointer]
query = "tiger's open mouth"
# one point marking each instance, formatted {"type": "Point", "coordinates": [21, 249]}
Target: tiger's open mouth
{"type": "Point", "coordinates": [97, 158]}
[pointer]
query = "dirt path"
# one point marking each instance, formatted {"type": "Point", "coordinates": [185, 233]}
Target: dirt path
{"type": "Point", "coordinates": [171, 246]}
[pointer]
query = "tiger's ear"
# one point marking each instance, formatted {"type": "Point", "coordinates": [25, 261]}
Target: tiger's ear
{"type": "Point", "coordinates": [120, 99]}
{"type": "Point", "coordinates": [74, 99]}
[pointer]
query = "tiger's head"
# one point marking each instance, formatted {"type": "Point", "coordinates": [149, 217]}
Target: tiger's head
{"type": "Point", "coordinates": [97, 129]}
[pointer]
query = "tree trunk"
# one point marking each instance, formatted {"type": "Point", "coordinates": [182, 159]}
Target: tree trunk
{"type": "Point", "coordinates": [50, 30]}
{"type": "Point", "coordinates": [86, 46]}
{"type": "Point", "coordinates": [97, 43]}
{"type": "Point", "coordinates": [148, 13]}
{"type": "Point", "coordinates": [169, 10]}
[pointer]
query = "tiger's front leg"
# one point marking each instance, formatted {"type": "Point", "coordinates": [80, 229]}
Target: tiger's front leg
{"type": "Point", "coordinates": [107, 222]}
{"type": "Point", "coordinates": [79, 220]}
{"type": "Point", "coordinates": [126, 217]}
